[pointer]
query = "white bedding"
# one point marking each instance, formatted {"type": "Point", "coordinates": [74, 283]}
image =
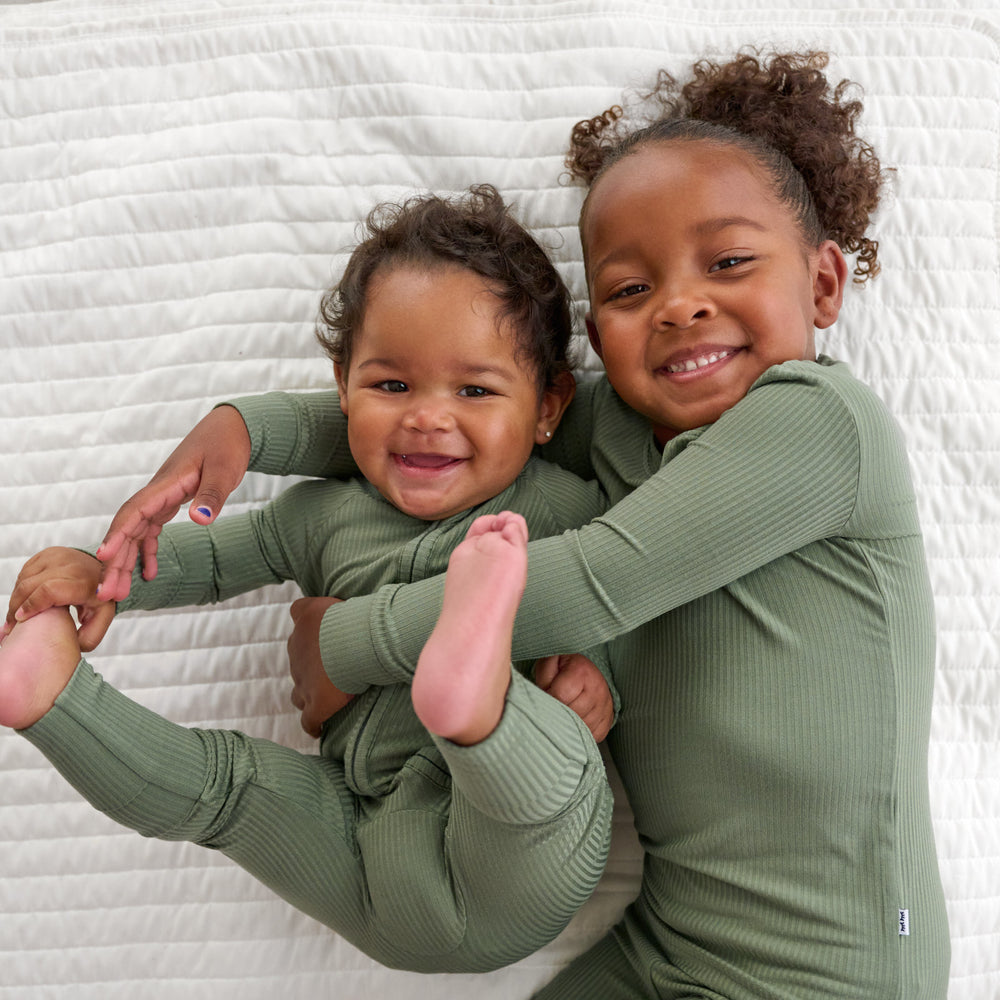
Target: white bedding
{"type": "Point", "coordinates": [178, 181]}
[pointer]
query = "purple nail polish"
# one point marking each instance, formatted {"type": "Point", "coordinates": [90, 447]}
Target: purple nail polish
{"type": "Point", "coordinates": [205, 511]}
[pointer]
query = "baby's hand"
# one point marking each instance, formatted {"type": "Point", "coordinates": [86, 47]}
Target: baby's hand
{"type": "Point", "coordinates": [62, 577]}
{"type": "Point", "coordinates": [577, 683]}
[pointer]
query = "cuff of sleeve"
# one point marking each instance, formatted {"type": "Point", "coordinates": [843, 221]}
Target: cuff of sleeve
{"type": "Point", "coordinates": [179, 581]}
{"type": "Point", "coordinates": [598, 655]}
{"type": "Point", "coordinates": [345, 642]}
{"type": "Point", "coordinates": [377, 639]}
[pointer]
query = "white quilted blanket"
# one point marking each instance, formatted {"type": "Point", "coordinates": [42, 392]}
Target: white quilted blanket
{"type": "Point", "coordinates": [177, 183]}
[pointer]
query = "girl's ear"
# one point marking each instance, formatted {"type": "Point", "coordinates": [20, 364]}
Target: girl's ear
{"type": "Point", "coordinates": [341, 376]}
{"type": "Point", "coordinates": [593, 335]}
{"type": "Point", "coordinates": [555, 399]}
{"type": "Point", "coordinates": [829, 282]}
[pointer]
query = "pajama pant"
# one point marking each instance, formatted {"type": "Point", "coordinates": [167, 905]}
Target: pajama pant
{"type": "Point", "coordinates": [475, 858]}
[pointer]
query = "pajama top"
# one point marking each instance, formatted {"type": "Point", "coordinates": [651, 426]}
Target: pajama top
{"type": "Point", "coordinates": [764, 584]}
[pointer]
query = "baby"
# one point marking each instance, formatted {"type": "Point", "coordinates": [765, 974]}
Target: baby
{"type": "Point", "coordinates": [457, 830]}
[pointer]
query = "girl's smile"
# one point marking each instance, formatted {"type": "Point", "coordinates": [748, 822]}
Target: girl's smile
{"type": "Point", "coordinates": [687, 363]}
{"type": "Point", "coordinates": [699, 280]}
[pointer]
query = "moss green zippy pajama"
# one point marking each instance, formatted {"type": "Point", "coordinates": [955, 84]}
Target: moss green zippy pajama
{"type": "Point", "coordinates": [426, 855]}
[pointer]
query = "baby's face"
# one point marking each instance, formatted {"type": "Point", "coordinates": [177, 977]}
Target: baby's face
{"type": "Point", "coordinates": [441, 414]}
{"type": "Point", "coordinates": [699, 280]}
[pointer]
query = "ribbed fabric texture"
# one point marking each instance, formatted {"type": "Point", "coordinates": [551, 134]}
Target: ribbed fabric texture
{"type": "Point", "coordinates": [374, 837]}
{"type": "Point", "coordinates": [765, 588]}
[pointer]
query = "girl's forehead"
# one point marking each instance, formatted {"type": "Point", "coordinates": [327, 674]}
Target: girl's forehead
{"type": "Point", "coordinates": [682, 178]}
{"type": "Point", "coordinates": [668, 167]}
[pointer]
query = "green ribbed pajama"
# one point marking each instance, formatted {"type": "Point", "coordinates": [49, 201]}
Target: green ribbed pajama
{"type": "Point", "coordinates": [426, 855]}
{"type": "Point", "coordinates": [763, 586]}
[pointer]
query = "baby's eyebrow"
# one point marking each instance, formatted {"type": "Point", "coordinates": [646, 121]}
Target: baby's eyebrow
{"type": "Point", "coordinates": [473, 371]}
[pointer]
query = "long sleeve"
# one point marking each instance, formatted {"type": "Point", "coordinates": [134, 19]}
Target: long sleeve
{"type": "Point", "coordinates": [721, 505]}
{"type": "Point", "coordinates": [301, 434]}
{"type": "Point", "coordinates": [202, 565]}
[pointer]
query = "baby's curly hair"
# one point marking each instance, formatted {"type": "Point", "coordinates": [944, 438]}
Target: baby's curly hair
{"type": "Point", "coordinates": [475, 232]}
{"type": "Point", "coordinates": [783, 111]}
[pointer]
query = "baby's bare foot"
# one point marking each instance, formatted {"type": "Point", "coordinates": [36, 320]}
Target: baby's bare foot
{"type": "Point", "coordinates": [37, 660]}
{"type": "Point", "coordinates": [464, 669]}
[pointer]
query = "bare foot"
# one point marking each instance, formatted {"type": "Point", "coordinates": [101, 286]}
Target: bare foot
{"type": "Point", "coordinates": [37, 660]}
{"type": "Point", "coordinates": [464, 670]}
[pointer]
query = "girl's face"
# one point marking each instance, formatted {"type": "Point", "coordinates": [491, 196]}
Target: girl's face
{"type": "Point", "coordinates": [699, 280]}
{"type": "Point", "coordinates": [441, 413]}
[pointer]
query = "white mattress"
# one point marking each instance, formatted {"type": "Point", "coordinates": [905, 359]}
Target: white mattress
{"type": "Point", "coordinates": [178, 181]}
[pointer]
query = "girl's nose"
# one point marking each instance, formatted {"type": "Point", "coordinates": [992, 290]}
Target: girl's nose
{"type": "Point", "coordinates": [681, 304]}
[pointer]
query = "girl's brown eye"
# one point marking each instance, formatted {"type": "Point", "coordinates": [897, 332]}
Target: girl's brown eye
{"type": "Point", "coordinates": [628, 291]}
{"type": "Point", "coordinates": [728, 262]}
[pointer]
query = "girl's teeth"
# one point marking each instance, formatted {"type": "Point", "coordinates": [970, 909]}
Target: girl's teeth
{"type": "Point", "coordinates": [692, 364]}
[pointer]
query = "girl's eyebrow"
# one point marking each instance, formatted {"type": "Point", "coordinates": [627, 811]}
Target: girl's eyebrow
{"type": "Point", "coordinates": [377, 363]}
{"type": "Point", "coordinates": [613, 256]}
{"type": "Point", "coordinates": [710, 226]}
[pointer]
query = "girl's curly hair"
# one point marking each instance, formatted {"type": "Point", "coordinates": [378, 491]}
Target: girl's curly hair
{"type": "Point", "coordinates": [475, 232]}
{"type": "Point", "coordinates": [783, 111]}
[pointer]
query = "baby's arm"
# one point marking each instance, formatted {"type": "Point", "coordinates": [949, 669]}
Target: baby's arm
{"type": "Point", "coordinates": [200, 565]}
{"type": "Point", "coordinates": [62, 577]}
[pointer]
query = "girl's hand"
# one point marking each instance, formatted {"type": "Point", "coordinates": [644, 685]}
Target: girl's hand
{"type": "Point", "coordinates": [205, 468]}
{"type": "Point", "coordinates": [313, 693]}
{"type": "Point", "coordinates": [62, 577]}
{"type": "Point", "coordinates": [574, 680]}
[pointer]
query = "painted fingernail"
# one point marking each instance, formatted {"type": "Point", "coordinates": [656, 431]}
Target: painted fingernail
{"type": "Point", "coordinates": [204, 511]}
